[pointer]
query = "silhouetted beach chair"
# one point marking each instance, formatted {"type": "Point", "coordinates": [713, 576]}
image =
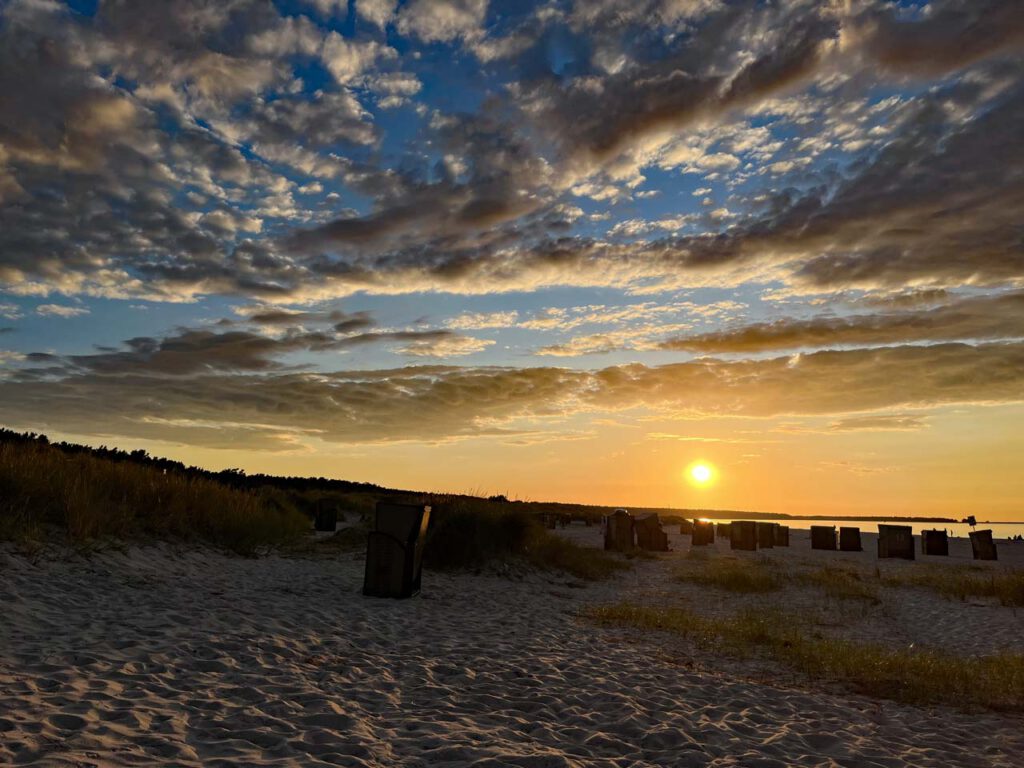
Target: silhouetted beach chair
{"type": "Point", "coordinates": [823, 537]}
{"type": "Point", "coordinates": [896, 541]}
{"type": "Point", "coordinates": [765, 535]}
{"type": "Point", "coordinates": [649, 534]}
{"type": "Point", "coordinates": [983, 546]}
{"type": "Point", "coordinates": [703, 533]}
{"type": "Point", "coordinates": [394, 550]}
{"type": "Point", "coordinates": [685, 528]}
{"type": "Point", "coordinates": [849, 539]}
{"type": "Point", "coordinates": [722, 530]}
{"type": "Point", "coordinates": [934, 542]}
{"type": "Point", "coordinates": [743, 535]}
{"type": "Point", "coordinates": [618, 531]}
{"type": "Point", "coordinates": [781, 535]}
{"type": "Point", "coordinates": [326, 517]}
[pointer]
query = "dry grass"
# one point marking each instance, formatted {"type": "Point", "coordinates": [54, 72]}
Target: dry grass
{"type": "Point", "coordinates": [731, 574]}
{"type": "Point", "coordinates": [86, 498]}
{"type": "Point", "coordinates": [917, 677]}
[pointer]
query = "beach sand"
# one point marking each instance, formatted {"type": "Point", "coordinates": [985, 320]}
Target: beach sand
{"type": "Point", "coordinates": [188, 657]}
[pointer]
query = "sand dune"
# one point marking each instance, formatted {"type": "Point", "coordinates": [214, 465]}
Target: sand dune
{"type": "Point", "coordinates": [154, 656]}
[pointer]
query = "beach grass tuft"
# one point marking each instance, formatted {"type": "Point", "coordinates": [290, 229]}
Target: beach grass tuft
{"type": "Point", "coordinates": [962, 582]}
{"type": "Point", "coordinates": [915, 676]}
{"type": "Point", "coordinates": [731, 574]}
{"type": "Point", "coordinates": [841, 584]}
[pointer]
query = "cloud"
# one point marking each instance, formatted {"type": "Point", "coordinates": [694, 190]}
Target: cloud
{"type": "Point", "coordinates": [192, 351]}
{"type": "Point", "coordinates": [377, 12]}
{"type": "Point", "coordinates": [348, 59]}
{"type": "Point", "coordinates": [449, 345]}
{"type": "Point", "coordinates": [232, 379]}
{"type": "Point", "coordinates": [478, 320]}
{"type": "Point", "coordinates": [952, 35]}
{"type": "Point", "coordinates": [59, 310]}
{"type": "Point", "coordinates": [998, 316]}
{"type": "Point", "coordinates": [442, 20]}
{"type": "Point", "coordinates": [635, 338]}
{"type": "Point", "coordinates": [880, 423]}
{"type": "Point", "coordinates": [180, 138]}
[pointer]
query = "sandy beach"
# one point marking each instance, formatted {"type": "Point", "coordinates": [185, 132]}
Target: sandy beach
{"type": "Point", "coordinates": [188, 657]}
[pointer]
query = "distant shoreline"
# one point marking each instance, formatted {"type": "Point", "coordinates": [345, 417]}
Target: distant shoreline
{"type": "Point", "coordinates": [726, 515]}
{"type": "Point", "coordinates": [858, 518]}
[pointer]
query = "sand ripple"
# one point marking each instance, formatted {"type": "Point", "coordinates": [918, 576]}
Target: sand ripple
{"type": "Point", "coordinates": [154, 657]}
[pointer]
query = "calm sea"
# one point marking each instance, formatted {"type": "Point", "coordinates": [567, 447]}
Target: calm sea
{"type": "Point", "coordinates": [999, 530]}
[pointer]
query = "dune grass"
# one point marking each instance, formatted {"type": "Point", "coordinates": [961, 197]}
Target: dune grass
{"type": "Point", "coordinates": [731, 574]}
{"type": "Point", "coordinates": [468, 533]}
{"type": "Point", "coordinates": [910, 676]}
{"type": "Point", "coordinates": [963, 581]}
{"type": "Point", "coordinates": [85, 498]}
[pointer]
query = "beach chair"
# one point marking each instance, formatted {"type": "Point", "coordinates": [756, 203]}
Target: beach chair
{"type": "Point", "coordinates": [685, 528]}
{"type": "Point", "coordinates": [781, 535]}
{"type": "Point", "coordinates": [618, 531]}
{"type": "Point", "coordinates": [703, 533]}
{"type": "Point", "coordinates": [982, 545]}
{"type": "Point", "coordinates": [765, 535]}
{"type": "Point", "coordinates": [649, 534]}
{"type": "Point", "coordinates": [722, 530]}
{"type": "Point", "coordinates": [326, 516]}
{"type": "Point", "coordinates": [394, 550]}
{"type": "Point", "coordinates": [849, 539]}
{"type": "Point", "coordinates": [743, 535]}
{"type": "Point", "coordinates": [896, 541]}
{"type": "Point", "coordinates": [823, 537]}
{"type": "Point", "coordinates": [934, 542]}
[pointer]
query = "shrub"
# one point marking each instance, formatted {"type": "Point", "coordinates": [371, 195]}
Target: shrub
{"type": "Point", "coordinates": [469, 533]}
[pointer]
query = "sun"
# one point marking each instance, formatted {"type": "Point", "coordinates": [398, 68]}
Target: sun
{"type": "Point", "coordinates": [700, 473]}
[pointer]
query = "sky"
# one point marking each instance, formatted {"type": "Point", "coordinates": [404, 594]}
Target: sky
{"type": "Point", "coordinates": [556, 250]}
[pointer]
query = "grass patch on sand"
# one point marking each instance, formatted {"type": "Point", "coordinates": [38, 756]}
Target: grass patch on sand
{"type": "Point", "coordinates": [912, 676]}
{"type": "Point", "coordinates": [87, 498]}
{"type": "Point", "coordinates": [841, 584]}
{"type": "Point", "coordinates": [732, 574]}
{"type": "Point", "coordinates": [347, 540]}
{"type": "Point", "coordinates": [467, 533]}
{"type": "Point", "coordinates": [962, 582]}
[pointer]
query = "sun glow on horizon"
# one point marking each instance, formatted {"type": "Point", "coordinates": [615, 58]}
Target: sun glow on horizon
{"type": "Point", "coordinates": [700, 474]}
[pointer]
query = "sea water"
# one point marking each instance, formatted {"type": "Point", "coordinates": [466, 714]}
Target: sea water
{"type": "Point", "coordinates": [999, 530]}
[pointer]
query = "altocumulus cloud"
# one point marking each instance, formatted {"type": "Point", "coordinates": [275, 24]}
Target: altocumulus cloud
{"type": "Point", "coordinates": [200, 113]}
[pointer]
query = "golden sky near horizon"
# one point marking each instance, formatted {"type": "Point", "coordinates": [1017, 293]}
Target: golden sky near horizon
{"type": "Point", "coordinates": [969, 464]}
